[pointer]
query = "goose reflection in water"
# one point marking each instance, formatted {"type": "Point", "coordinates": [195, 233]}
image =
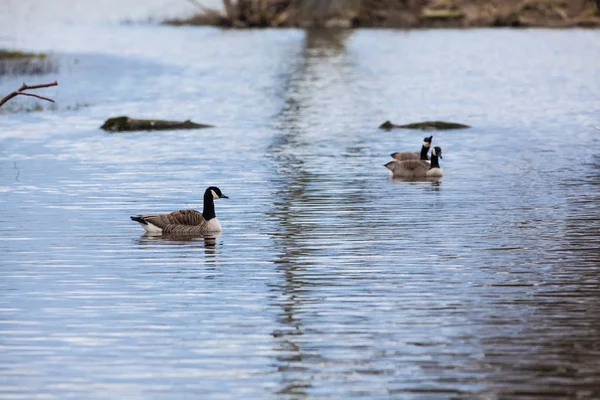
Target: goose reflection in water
{"type": "Point", "coordinates": [208, 242]}
{"type": "Point", "coordinates": [435, 182]}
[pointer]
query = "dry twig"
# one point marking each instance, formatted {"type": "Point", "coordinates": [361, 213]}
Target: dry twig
{"type": "Point", "coordinates": [21, 91]}
{"type": "Point", "coordinates": [203, 8]}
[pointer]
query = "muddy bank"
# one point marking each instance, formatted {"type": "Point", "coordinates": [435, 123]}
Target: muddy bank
{"type": "Point", "coordinates": [399, 14]}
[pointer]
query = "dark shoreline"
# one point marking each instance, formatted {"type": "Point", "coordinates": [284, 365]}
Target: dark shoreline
{"type": "Point", "coordinates": [424, 15]}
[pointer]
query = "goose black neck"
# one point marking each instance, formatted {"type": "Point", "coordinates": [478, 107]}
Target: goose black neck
{"type": "Point", "coordinates": [424, 151]}
{"type": "Point", "coordinates": [435, 163]}
{"type": "Point", "coordinates": [208, 212]}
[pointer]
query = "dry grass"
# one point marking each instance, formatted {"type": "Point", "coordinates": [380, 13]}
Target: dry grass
{"type": "Point", "coordinates": [399, 13]}
{"type": "Point", "coordinates": [14, 62]}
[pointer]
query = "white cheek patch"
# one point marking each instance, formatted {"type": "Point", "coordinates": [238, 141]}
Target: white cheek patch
{"type": "Point", "coordinates": [215, 196]}
{"type": "Point", "coordinates": [426, 144]}
{"type": "Point", "coordinates": [433, 152]}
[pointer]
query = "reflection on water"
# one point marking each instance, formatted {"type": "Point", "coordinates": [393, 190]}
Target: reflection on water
{"type": "Point", "coordinates": [435, 181]}
{"type": "Point", "coordinates": [330, 279]}
{"type": "Point", "coordinates": [208, 242]}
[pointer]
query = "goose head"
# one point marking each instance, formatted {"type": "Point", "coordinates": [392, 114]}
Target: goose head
{"type": "Point", "coordinates": [215, 193]}
{"type": "Point", "coordinates": [427, 141]}
{"type": "Point", "coordinates": [390, 165]}
{"type": "Point", "coordinates": [437, 151]}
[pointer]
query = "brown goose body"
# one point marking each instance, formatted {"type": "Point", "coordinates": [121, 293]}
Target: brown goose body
{"type": "Point", "coordinates": [182, 222]}
{"type": "Point", "coordinates": [417, 168]}
{"type": "Point", "coordinates": [185, 222]}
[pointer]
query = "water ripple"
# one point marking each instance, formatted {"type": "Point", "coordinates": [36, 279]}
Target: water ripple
{"type": "Point", "coordinates": [330, 280]}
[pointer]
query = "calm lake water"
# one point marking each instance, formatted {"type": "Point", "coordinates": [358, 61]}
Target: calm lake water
{"type": "Point", "coordinates": [330, 280]}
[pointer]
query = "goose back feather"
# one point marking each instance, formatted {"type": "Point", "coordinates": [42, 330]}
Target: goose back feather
{"type": "Point", "coordinates": [414, 155]}
{"type": "Point", "coordinates": [406, 155]}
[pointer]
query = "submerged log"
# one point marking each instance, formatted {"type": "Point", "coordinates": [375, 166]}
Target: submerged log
{"type": "Point", "coordinates": [126, 124]}
{"type": "Point", "coordinates": [426, 126]}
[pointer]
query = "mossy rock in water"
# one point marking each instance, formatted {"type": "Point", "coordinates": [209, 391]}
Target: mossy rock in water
{"type": "Point", "coordinates": [425, 126]}
{"type": "Point", "coordinates": [126, 124]}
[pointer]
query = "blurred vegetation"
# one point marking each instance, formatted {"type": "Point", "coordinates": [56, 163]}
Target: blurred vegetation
{"type": "Point", "coordinates": [397, 13]}
{"type": "Point", "coordinates": [14, 62]}
{"type": "Point", "coordinates": [10, 54]}
{"type": "Point", "coordinates": [20, 107]}
{"type": "Point", "coordinates": [25, 106]}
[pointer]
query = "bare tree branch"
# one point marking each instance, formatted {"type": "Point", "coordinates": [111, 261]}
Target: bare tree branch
{"type": "Point", "coordinates": [24, 86]}
{"type": "Point", "coordinates": [203, 8]}
{"type": "Point", "coordinates": [18, 172]}
{"type": "Point", "coordinates": [230, 10]}
{"type": "Point", "coordinates": [38, 96]}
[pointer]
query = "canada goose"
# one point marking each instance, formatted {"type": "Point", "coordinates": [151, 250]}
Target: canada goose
{"type": "Point", "coordinates": [414, 155]}
{"type": "Point", "coordinates": [417, 168]}
{"type": "Point", "coordinates": [185, 222]}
